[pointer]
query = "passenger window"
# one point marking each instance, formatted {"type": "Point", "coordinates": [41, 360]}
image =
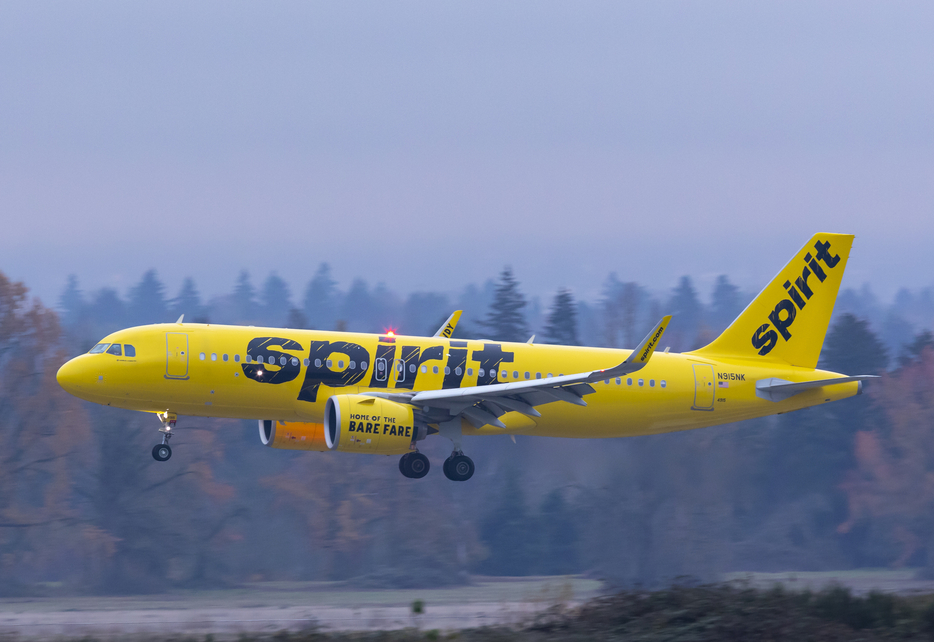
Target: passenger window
{"type": "Point", "coordinates": [352, 365]}
{"type": "Point", "coordinates": [469, 372]}
{"type": "Point", "coordinates": [628, 382]}
{"type": "Point", "coordinates": [538, 375]}
{"type": "Point", "coordinates": [294, 361]}
{"type": "Point", "coordinates": [606, 381]}
{"type": "Point", "coordinates": [651, 383]}
{"type": "Point", "coordinates": [128, 350]}
{"type": "Point", "coordinates": [618, 381]}
{"type": "Point", "coordinates": [317, 363]}
{"type": "Point", "coordinates": [225, 357]}
{"type": "Point", "coordinates": [424, 368]}
{"type": "Point", "coordinates": [363, 365]}
{"type": "Point", "coordinates": [447, 370]}
{"type": "Point", "coordinates": [664, 383]}
{"type": "Point", "coordinates": [411, 367]}
{"type": "Point", "coordinates": [434, 369]}
{"type": "Point", "coordinates": [237, 358]}
{"type": "Point", "coordinates": [259, 359]}
{"type": "Point", "coordinates": [457, 370]}
{"type": "Point", "coordinates": [306, 362]}
{"type": "Point", "coordinates": [550, 375]}
{"type": "Point", "coordinates": [248, 359]}
{"type": "Point", "coordinates": [481, 372]}
{"type": "Point", "coordinates": [283, 360]}
{"type": "Point", "coordinates": [329, 362]}
{"type": "Point", "coordinates": [641, 382]}
{"type": "Point", "coordinates": [213, 356]}
{"type": "Point", "coordinates": [100, 347]}
{"type": "Point", "coordinates": [515, 374]}
{"type": "Point", "coordinates": [114, 349]}
{"type": "Point", "coordinates": [340, 364]}
{"type": "Point", "coordinates": [202, 356]}
{"type": "Point", "coordinates": [527, 376]}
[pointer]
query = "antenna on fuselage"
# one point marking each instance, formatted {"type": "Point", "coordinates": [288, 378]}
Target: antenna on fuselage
{"type": "Point", "coordinates": [180, 319]}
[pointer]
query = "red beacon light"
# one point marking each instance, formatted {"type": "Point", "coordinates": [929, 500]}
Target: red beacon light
{"type": "Point", "coordinates": [390, 332]}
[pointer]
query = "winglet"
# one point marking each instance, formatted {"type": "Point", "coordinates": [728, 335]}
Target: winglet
{"type": "Point", "coordinates": [641, 355]}
{"type": "Point", "coordinates": [447, 330]}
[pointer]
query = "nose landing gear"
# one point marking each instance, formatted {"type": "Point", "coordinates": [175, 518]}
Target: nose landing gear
{"type": "Point", "coordinates": [414, 465]}
{"type": "Point", "coordinates": [162, 452]}
{"type": "Point", "coordinates": [458, 467]}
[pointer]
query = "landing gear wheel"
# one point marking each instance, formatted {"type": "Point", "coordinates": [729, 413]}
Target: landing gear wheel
{"type": "Point", "coordinates": [458, 467]}
{"type": "Point", "coordinates": [161, 452]}
{"type": "Point", "coordinates": [404, 465]}
{"type": "Point", "coordinates": [414, 465]}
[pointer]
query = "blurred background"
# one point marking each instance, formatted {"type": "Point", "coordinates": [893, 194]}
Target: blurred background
{"type": "Point", "coordinates": [368, 166]}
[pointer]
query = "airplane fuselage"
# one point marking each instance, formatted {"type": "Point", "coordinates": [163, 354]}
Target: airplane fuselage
{"type": "Point", "coordinates": [288, 376]}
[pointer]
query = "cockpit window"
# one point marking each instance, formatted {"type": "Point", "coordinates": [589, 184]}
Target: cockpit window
{"type": "Point", "coordinates": [114, 349]}
{"type": "Point", "coordinates": [100, 347]}
{"type": "Point", "coordinates": [128, 350]}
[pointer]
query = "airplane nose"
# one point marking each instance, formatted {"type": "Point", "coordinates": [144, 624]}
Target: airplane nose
{"type": "Point", "coordinates": [69, 376]}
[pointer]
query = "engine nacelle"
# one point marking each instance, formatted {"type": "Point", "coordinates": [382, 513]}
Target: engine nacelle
{"type": "Point", "coordinates": [357, 423]}
{"type": "Point", "coordinates": [292, 436]}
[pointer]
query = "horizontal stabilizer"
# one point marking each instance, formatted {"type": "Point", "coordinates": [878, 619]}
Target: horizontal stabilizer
{"type": "Point", "coordinates": [773, 389]}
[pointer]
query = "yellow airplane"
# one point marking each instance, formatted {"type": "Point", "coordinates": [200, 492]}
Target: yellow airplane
{"type": "Point", "coordinates": [383, 394]}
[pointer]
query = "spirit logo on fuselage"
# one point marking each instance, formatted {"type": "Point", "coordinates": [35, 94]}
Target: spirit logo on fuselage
{"type": "Point", "coordinates": [339, 364]}
{"type": "Point", "coordinates": [766, 336]}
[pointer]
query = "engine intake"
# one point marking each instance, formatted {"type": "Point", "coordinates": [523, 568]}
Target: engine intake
{"type": "Point", "coordinates": [357, 423]}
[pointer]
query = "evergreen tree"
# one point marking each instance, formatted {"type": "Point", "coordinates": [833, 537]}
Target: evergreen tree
{"type": "Point", "coordinates": [510, 532]}
{"type": "Point", "coordinates": [147, 301]}
{"type": "Point", "coordinates": [188, 302]}
{"type": "Point", "coordinates": [320, 304]}
{"type": "Point", "coordinates": [276, 300]}
{"type": "Point", "coordinates": [505, 321]}
{"type": "Point", "coordinates": [71, 303]}
{"type": "Point", "coordinates": [685, 309]}
{"type": "Point", "coordinates": [244, 298]}
{"type": "Point", "coordinates": [559, 537]}
{"type": "Point", "coordinates": [726, 304]}
{"type": "Point", "coordinates": [561, 326]}
{"type": "Point", "coordinates": [852, 348]}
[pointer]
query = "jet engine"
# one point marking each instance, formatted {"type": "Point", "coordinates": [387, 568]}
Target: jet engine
{"type": "Point", "coordinates": [292, 436]}
{"type": "Point", "coordinates": [357, 423]}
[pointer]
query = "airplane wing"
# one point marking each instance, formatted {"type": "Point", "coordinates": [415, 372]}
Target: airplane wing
{"type": "Point", "coordinates": [447, 328]}
{"type": "Point", "coordinates": [483, 405]}
{"type": "Point", "coordinates": [774, 389]}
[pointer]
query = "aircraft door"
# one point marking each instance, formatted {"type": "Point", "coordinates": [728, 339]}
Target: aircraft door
{"type": "Point", "coordinates": [176, 355]}
{"type": "Point", "coordinates": [703, 387]}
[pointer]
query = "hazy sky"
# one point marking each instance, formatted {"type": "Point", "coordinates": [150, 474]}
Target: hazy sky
{"type": "Point", "coordinates": [426, 145]}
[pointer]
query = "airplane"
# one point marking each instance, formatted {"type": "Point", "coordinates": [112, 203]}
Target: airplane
{"type": "Point", "coordinates": [385, 394]}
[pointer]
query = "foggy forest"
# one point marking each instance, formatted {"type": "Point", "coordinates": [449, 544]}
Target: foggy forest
{"type": "Point", "coordinates": [83, 507]}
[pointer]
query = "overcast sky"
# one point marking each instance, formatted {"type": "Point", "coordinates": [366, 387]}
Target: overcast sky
{"type": "Point", "coordinates": [426, 145]}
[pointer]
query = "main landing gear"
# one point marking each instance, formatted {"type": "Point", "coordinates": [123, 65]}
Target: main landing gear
{"type": "Point", "coordinates": [458, 467]}
{"type": "Point", "coordinates": [414, 465]}
{"type": "Point", "coordinates": [162, 452]}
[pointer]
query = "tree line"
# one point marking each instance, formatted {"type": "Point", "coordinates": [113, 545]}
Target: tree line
{"type": "Point", "coordinates": [82, 505]}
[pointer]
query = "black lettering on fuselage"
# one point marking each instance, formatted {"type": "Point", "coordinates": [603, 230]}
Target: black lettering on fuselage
{"type": "Point", "coordinates": [272, 370]}
{"type": "Point", "coordinates": [490, 357]}
{"type": "Point", "coordinates": [315, 375]}
{"type": "Point", "coordinates": [457, 361]}
{"type": "Point", "coordinates": [414, 356]}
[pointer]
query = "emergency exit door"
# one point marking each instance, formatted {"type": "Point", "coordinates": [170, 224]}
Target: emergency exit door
{"type": "Point", "coordinates": [703, 387]}
{"type": "Point", "coordinates": [176, 355]}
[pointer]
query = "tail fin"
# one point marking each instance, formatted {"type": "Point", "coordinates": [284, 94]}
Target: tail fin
{"type": "Point", "coordinates": [788, 320]}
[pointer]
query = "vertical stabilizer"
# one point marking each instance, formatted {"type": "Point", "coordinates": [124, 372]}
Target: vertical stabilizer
{"type": "Point", "coordinates": [788, 320]}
